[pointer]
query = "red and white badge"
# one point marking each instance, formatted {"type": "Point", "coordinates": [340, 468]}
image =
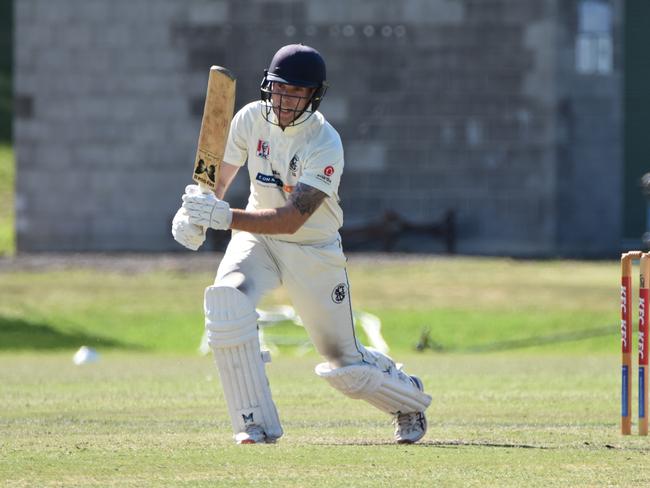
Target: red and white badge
{"type": "Point", "coordinates": [329, 171]}
{"type": "Point", "coordinates": [263, 149]}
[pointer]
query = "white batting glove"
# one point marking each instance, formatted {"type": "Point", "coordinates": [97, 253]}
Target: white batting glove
{"type": "Point", "coordinates": [206, 210]}
{"type": "Point", "coordinates": [185, 233]}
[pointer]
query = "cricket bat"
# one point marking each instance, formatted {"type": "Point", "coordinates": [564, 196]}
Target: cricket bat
{"type": "Point", "coordinates": [217, 114]}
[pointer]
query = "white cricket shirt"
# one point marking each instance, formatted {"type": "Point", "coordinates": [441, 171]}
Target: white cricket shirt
{"type": "Point", "coordinates": [309, 153]}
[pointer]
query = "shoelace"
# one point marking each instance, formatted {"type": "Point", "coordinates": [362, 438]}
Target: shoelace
{"type": "Point", "coordinates": [406, 421]}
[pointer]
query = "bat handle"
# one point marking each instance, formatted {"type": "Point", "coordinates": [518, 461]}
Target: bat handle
{"type": "Point", "coordinates": [205, 188]}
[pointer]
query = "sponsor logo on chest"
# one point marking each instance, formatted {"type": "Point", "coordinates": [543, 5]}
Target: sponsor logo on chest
{"type": "Point", "coordinates": [270, 180]}
{"type": "Point", "coordinates": [273, 181]}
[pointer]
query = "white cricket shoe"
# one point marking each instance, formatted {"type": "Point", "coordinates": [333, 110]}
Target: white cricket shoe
{"type": "Point", "coordinates": [254, 434]}
{"type": "Point", "coordinates": [410, 427]}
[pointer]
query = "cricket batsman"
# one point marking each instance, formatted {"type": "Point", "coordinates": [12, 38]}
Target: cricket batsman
{"type": "Point", "coordinates": [288, 235]}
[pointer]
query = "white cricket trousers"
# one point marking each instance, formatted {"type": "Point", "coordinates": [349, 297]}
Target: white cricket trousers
{"type": "Point", "coordinates": [315, 279]}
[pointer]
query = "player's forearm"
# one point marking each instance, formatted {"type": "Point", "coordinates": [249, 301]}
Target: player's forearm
{"type": "Point", "coordinates": [267, 221]}
{"type": "Point", "coordinates": [221, 189]}
{"type": "Point", "coordinates": [226, 176]}
{"type": "Point", "coordinates": [304, 201]}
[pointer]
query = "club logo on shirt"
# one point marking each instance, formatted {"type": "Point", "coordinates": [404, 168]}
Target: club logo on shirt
{"type": "Point", "coordinates": [293, 165]}
{"type": "Point", "coordinates": [339, 293]}
{"type": "Point", "coordinates": [263, 149]}
{"type": "Point", "coordinates": [329, 171]}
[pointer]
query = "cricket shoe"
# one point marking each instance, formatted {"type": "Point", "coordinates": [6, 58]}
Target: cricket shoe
{"type": "Point", "coordinates": [254, 434]}
{"type": "Point", "coordinates": [410, 427]}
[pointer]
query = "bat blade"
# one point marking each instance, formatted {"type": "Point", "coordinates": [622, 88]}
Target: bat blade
{"type": "Point", "coordinates": [215, 124]}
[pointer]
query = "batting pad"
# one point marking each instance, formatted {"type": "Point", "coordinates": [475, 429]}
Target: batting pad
{"type": "Point", "coordinates": [391, 391]}
{"type": "Point", "coordinates": [231, 324]}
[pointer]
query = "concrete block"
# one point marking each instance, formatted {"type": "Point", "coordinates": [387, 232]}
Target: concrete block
{"type": "Point", "coordinates": [335, 109]}
{"type": "Point", "coordinates": [76, 34]}
{"type": "Point", "coordinates": [165, 11]}
{"type": "Point", "coordinates": [118, 35]}
{"type": "Point", "coordinates": [95, 12]}
{"type": "Point", "coordinates": [130, 156]}
{"type": "Point", "coordinates": [208, 12]}
{"type": "Point", "coordinates": [53, 157]}
{"type": "Point", "coordinates": [434, 11]}
{"type": "Point", "coordinates": [24, 12]}
{"type": "Point", "coordinates": [365, 156]}
{"type": "Point", "coordinates": [166, 60]}
{"type": "Point", "coordinates": [143, 11]}
{"type": "Point", "coordinates": [49, 13]}
{"type": "Point", "coordinates": [35, 36]}
{"type": "Point", "coordinates": [27, 132]}
{"type": "Point", "coordinates": [93, 155]}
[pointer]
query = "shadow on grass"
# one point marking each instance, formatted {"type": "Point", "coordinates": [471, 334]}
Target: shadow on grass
{"type": "Point", "coordinates": [426, 342]}
{"type": "Point", "coordinates": [18, 334]}
{"type": "Point", "coordinates": [438, 443]}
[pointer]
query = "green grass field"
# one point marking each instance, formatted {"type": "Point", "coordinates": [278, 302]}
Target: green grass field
{"type": "Point", "coordinates": [523, 368]}
{"type": "Point", "coordinates": [7, 178]}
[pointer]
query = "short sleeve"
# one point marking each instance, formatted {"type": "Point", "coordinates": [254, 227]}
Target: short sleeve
{"type": "Point", "coordinates": [236, 151]}
{"type": "Point", "coordinates": [323, 168]}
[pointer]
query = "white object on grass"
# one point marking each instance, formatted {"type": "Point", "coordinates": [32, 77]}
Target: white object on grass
{"type": "Point", "coordinates": [85, 355]}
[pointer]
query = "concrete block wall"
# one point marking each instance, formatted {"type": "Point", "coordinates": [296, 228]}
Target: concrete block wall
{"type": "Point", "coordinates": [589, 146]}
{"type": "Point", "coordinates": [441, 104]}
{"type": "Point", "coordinates": [103, 127]}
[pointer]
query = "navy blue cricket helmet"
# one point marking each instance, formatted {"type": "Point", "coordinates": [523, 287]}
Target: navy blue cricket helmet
{"type": "Point", "coordinates": [298, 65]}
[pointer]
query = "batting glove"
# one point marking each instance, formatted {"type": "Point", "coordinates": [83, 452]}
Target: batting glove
{"type": "Point", "coordinates": [206, 210]}
{"type": "Point", "coordinates": [185, 233]}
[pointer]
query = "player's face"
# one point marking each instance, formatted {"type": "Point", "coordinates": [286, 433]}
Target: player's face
{"type": "Point", "coordinates": [289, 101]}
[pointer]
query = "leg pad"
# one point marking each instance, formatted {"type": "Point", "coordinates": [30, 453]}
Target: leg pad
{"type": "Point", "coordinates": [391, 391]}
{"type": "Point", "coordinates": [231, 324]}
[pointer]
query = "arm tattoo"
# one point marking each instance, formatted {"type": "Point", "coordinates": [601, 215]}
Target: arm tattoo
{"type": "Point", "coordinates": [306, 198]}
